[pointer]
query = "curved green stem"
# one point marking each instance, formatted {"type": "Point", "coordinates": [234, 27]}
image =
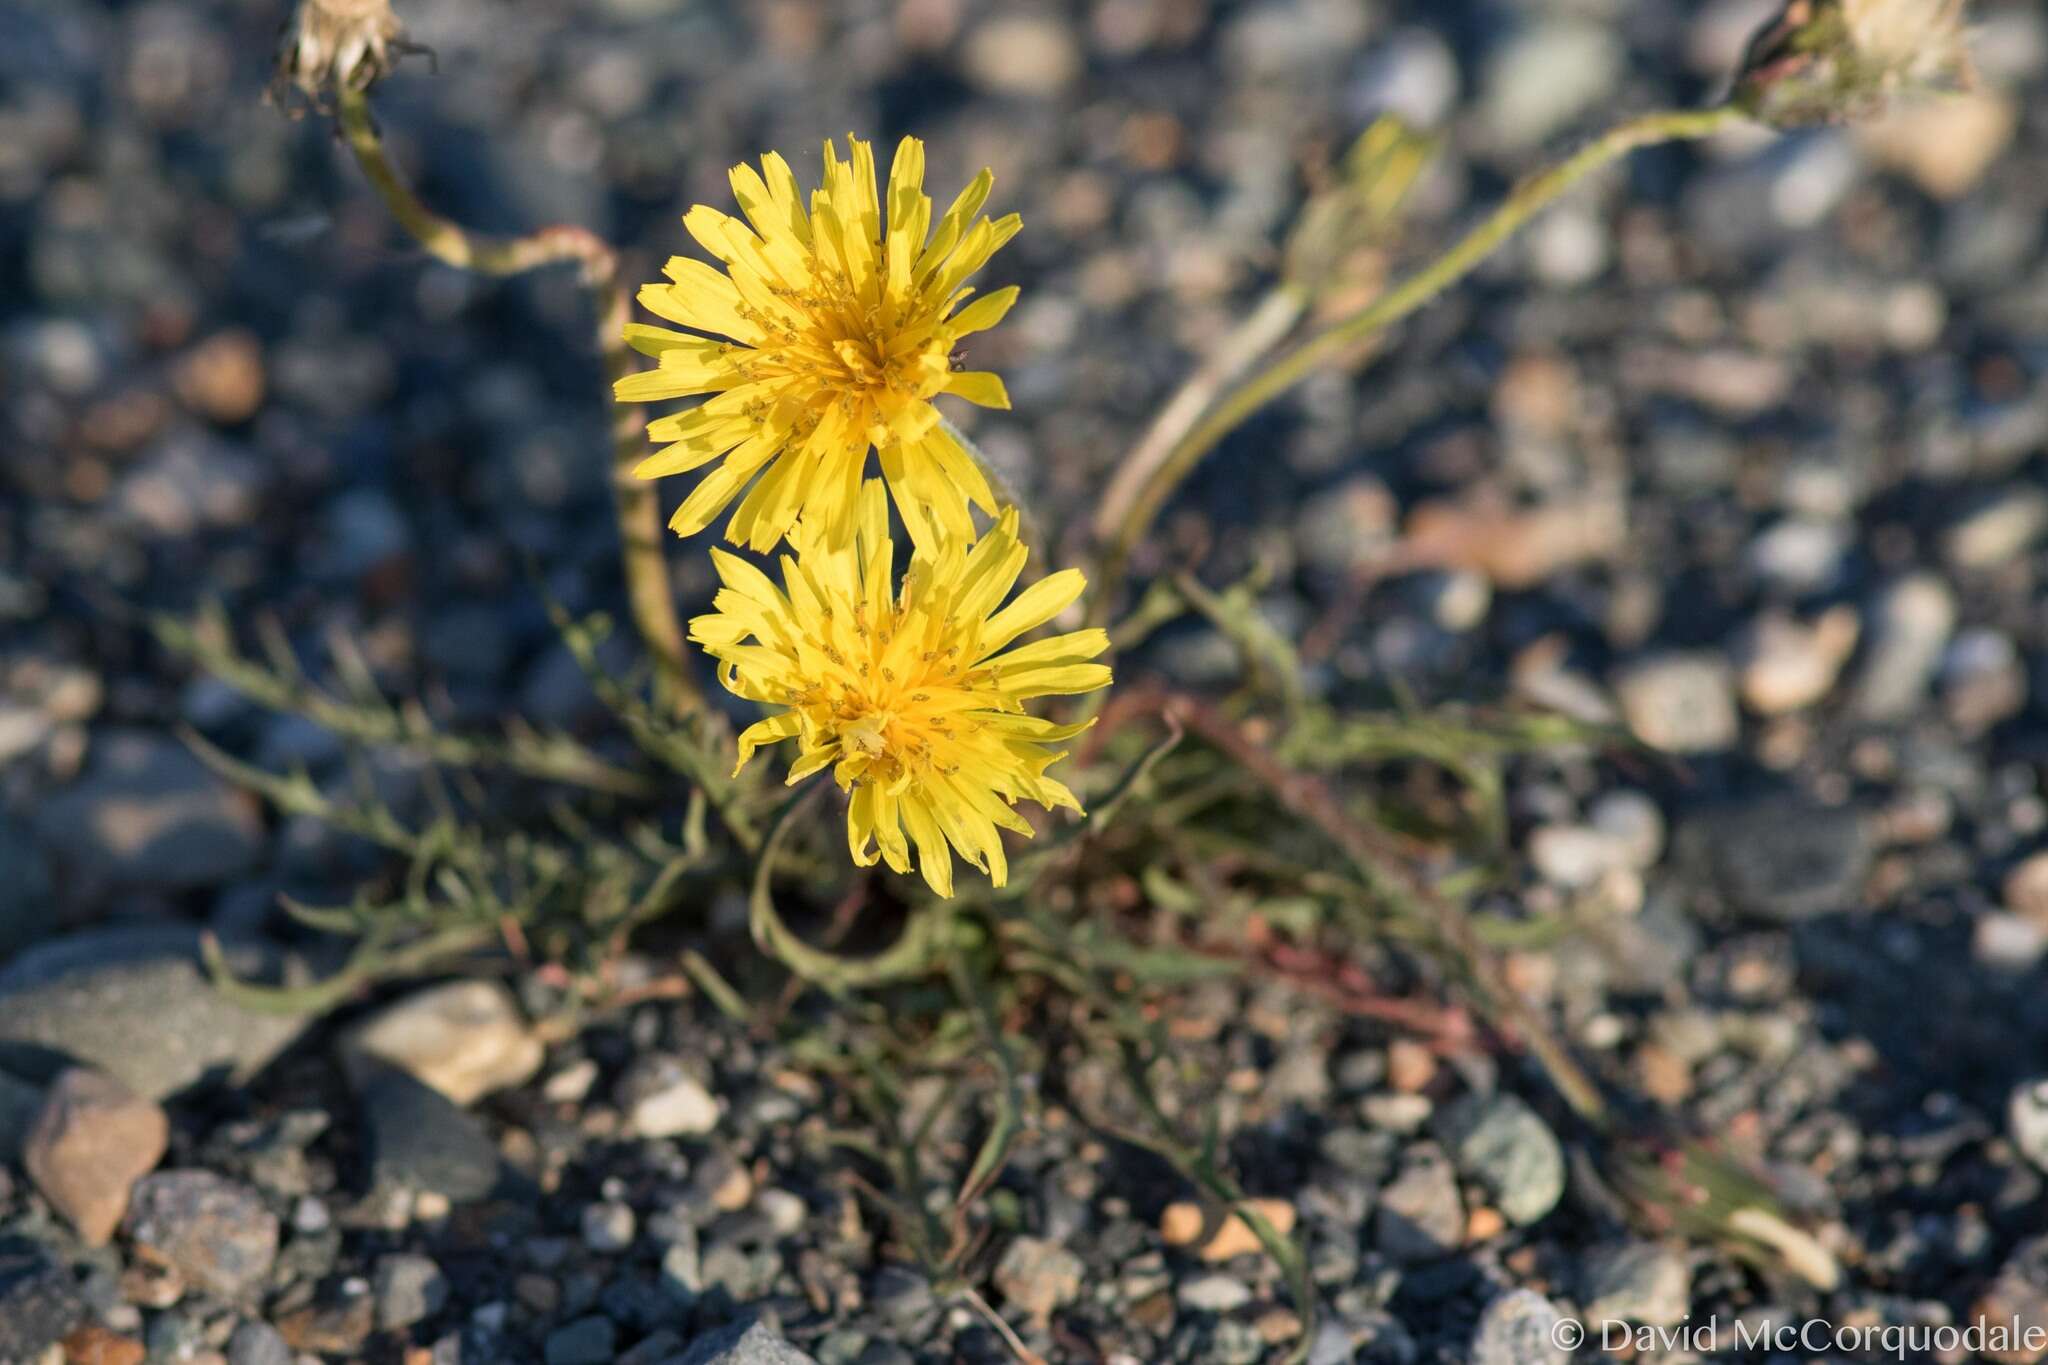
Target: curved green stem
{"type": "Point", "coordinates": [1230, 411]}
{"type": "Point", "coordinates": [911, 955]}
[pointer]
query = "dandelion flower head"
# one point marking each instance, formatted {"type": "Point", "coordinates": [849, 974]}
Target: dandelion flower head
{"type": "Point", "coordinates": [914, 694]}
{"type": "Point", "coordinates": [823, 337]}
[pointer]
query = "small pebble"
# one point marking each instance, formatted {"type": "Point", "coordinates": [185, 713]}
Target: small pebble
{"type": "Point", "coordinates": [1183, 1223]}
{"type": "Point", "coordinates": [92, 1141]}
{"type": "Point", "coordinates": [608, 1227]}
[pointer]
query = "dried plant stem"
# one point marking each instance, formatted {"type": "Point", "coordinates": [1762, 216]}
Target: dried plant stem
{"type": "Point", "coordinates": [1165, 471]}
{"type": "Point", "coordinates": [639, 510]}
{"type": "Point", "coordinates": [1272, 319]}
{"type": "Point", "coordinates": [1371, 853]}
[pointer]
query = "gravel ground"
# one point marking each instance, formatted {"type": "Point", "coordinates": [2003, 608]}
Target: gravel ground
{"type": "Point", "coordinates": [1745, 446]}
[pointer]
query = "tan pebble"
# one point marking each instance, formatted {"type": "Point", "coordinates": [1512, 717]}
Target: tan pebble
{"type": "Point", "coordinates": [2026, 888]}
{"type": "Point", "coordinates": [151, 1284]}
{"type": "Point", "coordinates": [222, 377]}
{"type": "Point", "coordinates": [734, 1192]}
{"type": "Point", "coordinates": [98, 1346]}
{"type": "Point", "coordinates": [1484, 1224]}
{"type": "Point", "coordinates": [1410, 1066]}
{"type": "Point", "coordinates": [1183, 1222]}
{"type": "Point", "coordinates": [1663, 1074]}
{"type": "Point", "coordinates": [1278, 1325]}
{"type": "Point", "coordinates": [89, 1144]}
{"type": "Point", "coordinates": [1944, 145]}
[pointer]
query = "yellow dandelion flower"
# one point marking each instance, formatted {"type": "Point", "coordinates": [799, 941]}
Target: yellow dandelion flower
{"type": "Point", "coordinates": [839, 337]}
{"type": "Point", "coordinates": [913, 696]}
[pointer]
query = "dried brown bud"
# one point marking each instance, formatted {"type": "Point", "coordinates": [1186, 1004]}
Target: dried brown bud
{"type": "Point", "coordinates": [332, 45]}
{"type": "Point", "coordinates": [1829, 61]}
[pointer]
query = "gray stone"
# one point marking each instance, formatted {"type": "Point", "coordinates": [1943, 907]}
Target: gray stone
{"type": "Point", "coordinates": [1909, 626]}
{"type": "Point", "coordinates": [586, 1341]}
{"type": "Point", "coordinates": [1640, 1282]}
{"type": "Point", "coordinates": [1413, 73]}
{"type": "Point", "coordinates": [1785, 857]}
{"type": "Point", "coordinates": [652, 1349]}
{"type": "Point", "coordinates": [1634, 822]}
{"type": "Point", "coordinates": [1574, 856]}
{"type": "Point", "coordinates": [1214, 1293]}
{"type": "Point", "coordinates": [608, 1227]}
{"type": "Point", "coordinates": [743, 1343]}
{"type": "Point", "coordinates": [409, 1288]}
{"type": "Point", "coordinates": [148, 815]}
{"type": "Point", "coordinates": [1680, 703]}
{"type": "Point", "coordinates": [1420, 1216]}
{"type": "Point", "coordinates": [471, 641]}
{"type": "Point", "coordinates": [1022, 54]}
{"type": "Point", "coordinates": [216, 1233]}
{"type": "Point", "coordinates": [258, 1343]}
{"type": "Point", "coordinates": [1518, 1328]}
{"type": "Point", "coordinates": [1500, 1142]}
{"type": "Point", "coordinates": [1799, 553]}
{"type": "Point", "coordinates": [420, 1141]}
{"type": "Point", "coordinates": [39, 1301]}
{"type": "Point", "coordinates": [1039, 1275]}
{"type": "Point", "coordinates": [134, 1001]}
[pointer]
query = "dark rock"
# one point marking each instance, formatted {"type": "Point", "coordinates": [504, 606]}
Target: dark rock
{"type": "Point", "coordinates": [20, 1102]}
{"type": "Point", "coordinates": [1519, 1328]}
{"type": "Point", "coordinates": [586, 1341]}
{"type": "Point", "coordinates": [28, 896]}
{"type": "Point", "coordinates": [39, 1302]}
{"type": "Point", "coordinates": [1785, 857]}
{"type": "Point", "coordinates": [1641, 1282]}
{"type": "Point", "coordinates": [134, 1001]}
{"type": "Point", "coordinates": [419, 1140]}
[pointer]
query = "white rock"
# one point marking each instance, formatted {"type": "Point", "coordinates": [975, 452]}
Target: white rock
{"type": "Point", "coordinates": [680, 1108]}
{"type": "Point", "coordinates": [466, 1039]}
{"type": "Point", "coordinates": [1680, 703]}
{"type": "Point", "coordinates": [2027, 1119]}
{"type": "Point", "coordinates": [1022, 54]}
{"type": "Point", "coordinates": [1574, 855]}
{"type": "Point", "coordinates": [1912, 622]}
{"type": "Point", "coordinates": [1788, 664]}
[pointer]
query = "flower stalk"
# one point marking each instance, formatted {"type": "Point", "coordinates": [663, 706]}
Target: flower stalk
{"type": "Point", "coordinates": [637, 507]}
{"type": "Point", "coordinates": [1240, 402]}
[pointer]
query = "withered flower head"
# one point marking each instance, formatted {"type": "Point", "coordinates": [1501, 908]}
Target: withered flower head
{"type": "Point", "coordinates": [332, 45]}
{"type": "Point", "coordinates": [1831, 61]}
